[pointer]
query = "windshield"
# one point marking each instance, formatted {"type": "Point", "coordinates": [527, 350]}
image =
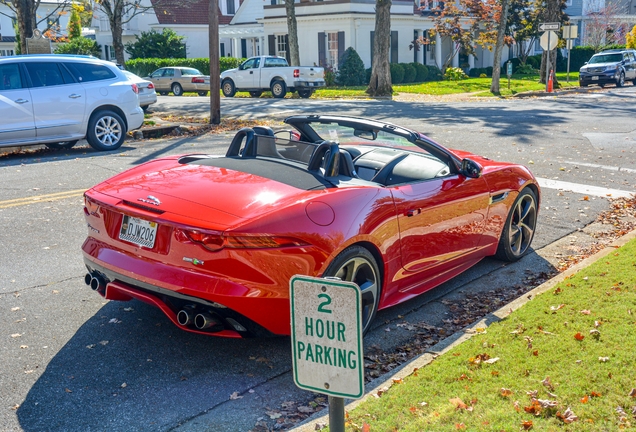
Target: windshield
{"type": "Point", "coordinates": [190, 71]}
{"type": "Point", "coordinates": [606, 58]}
{"type": "Point", "coordinates": [347, 135]}
{"type": "Point", "coordinates": [131, 76]}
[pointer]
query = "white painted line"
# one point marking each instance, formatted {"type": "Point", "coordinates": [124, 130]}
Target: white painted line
{"type": "Point", "coordinates": [584, 189]}
{"type": "Point", "coordinates": [605, 167]}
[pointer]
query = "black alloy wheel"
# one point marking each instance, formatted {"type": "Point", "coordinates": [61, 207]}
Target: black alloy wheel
{"type": "Point", "coordinates": [520, 226]}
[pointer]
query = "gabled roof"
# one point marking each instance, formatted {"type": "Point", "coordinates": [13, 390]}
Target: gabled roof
{"type": "Point", "coordinates": [185, 12]}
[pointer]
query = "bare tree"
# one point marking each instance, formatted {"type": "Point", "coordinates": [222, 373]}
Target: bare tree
{"type": "Point", "coordinates": [380, 83]}
{"type": "Point", "coordinates": [603, 25]}
{"type": "Point", "coordinates": [28, 17]}
{"type": "Point", "coordinates": [292, 31]}
{"type": "Point", "coordinates": [215, 68]}
{"type": "Point", "coordinates": [501, 33]}
{"type": "Point", "coordinates": [120, 12]}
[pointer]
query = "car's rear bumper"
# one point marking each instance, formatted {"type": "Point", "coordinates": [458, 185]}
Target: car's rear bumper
{"type": "Point", "coordinates": [261, 311]}
{"type": "Point", "coordinates": [135, 118]}
{"type": "Point", "coordinates": [307, 84]}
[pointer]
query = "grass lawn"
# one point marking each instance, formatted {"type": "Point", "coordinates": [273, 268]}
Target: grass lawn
{"type": "Point", "coordinates": [562, 362]}
{"type": "Point", "coordinates": [480, 86]}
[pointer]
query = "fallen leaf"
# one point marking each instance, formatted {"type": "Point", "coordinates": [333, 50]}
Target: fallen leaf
{"type": "Point", "coordinates": [366, 427]}
{"type": "Point", "coordinates": [397, 381]}
{"type": "Point", "coordinates": [15, 309]}
{"type": "Point", "coordinates": [305, 409]}
{"type": "Point", "coordinates": [15, 407]}
{"type": "Point", "coordinates": [526, 425]}
{"type": "Point", "coordinates": [272, 414]}
{"type": "Point", "coordinates": [546, 382]}
{"type": "Point", "coordinates": [492, 360]}
{"type": "Point", "coordinates": [90, 346]}
{"type": "Point", "coordinates": [128, 309]}
{"type": "Point", "coordinates": [423, 403]}
{"type": "Point", "coordinates": [413, 409]}
{"type": "Point", "coordinates": [556, 308]}
{"type": "Point", "coordinates": [235, 396]}
{"type": "Point", "coordinates": [68, 391]}
{"type": "Point", "coordinates": [505, 392]}
{"type": "Point", "coordinates": [584, 399]}
{"type": "Point", "coordinates": [594, 394]}
{"type": "Point", "coordinates": [632, 393]}
{"type": "Point", "coordinates": [460, 426]}
{"type": "Point", "coordinates": [24, 346]}
{"type": "Point", "coordinates": [104, 342]}
{"type": "Point", "coordinates": [124, 385]}
{"type": "Point", "coordinates": [579, 336]}
{"type": "Point", "coordinates": [458, 403]}
{"type": "Point", "coordinates": [16, 335]}
{"type": "Point", "coordinates": [568, 416]}
{"type": "Point", "coordinates": [595, 333]}
{"type": "Point", "coordinates": [262, 360]}
{"type": "Point", "coordinates": [586, 312]}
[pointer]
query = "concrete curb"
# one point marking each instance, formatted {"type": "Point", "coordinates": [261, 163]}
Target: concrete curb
{"type": "Point", "coordinates": [386, 381]}
{"type": "Point", "coordinates": [556, 93]}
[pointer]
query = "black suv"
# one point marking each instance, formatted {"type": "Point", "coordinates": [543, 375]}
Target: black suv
{"type": "Point", "coordinates": [609, 67]}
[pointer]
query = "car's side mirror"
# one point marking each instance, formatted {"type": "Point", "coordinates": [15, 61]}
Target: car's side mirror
{"type": "Point", "coordinates": [471, 169]}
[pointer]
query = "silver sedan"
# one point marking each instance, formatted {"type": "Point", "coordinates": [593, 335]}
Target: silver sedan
{"type": "Point", "coordinates": [147, 94]}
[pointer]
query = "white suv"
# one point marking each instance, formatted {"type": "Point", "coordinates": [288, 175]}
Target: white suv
{"type": "Point", "coordinates": [57, 100]}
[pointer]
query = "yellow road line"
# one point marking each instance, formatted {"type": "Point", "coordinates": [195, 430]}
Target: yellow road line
{"type": "Point", "coordinates": [41, 198]}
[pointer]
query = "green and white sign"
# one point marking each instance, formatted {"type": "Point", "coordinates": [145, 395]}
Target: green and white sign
{"type": "Point", "coordinates": [326, 335]}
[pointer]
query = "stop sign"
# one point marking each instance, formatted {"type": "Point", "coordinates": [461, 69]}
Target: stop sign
{"type": "Point", "coordinates": [549, 40]}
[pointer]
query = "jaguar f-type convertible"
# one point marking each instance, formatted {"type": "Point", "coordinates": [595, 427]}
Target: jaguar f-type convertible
{"type": "Point", "coordinates": [213, 240]}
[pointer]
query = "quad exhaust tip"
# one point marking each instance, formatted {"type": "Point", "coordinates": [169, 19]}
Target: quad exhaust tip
{"type": "Point", "coordinates": [95, 282]}
{"type": "Point", "coordinates": [205, 321]}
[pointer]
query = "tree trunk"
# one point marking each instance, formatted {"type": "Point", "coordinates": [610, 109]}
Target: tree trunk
{"type": "Point", "coordinates": [26, 17]}
{"type": "Point", "coordinates": [501, 31]}
{"type": "Point", "coordinates": [380, 83]}
{"type": "Point", "coordinates": [548, 59]}
{"type": "Point", "coordinates": [213, 42]}
{"type": "Point", "coordinates": [116, 28]}
{"type": "Point", "coordinates": [292, 31]}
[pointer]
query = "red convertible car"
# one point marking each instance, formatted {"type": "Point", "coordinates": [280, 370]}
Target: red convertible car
{"type": "Point", "coordinates": [213, 241]}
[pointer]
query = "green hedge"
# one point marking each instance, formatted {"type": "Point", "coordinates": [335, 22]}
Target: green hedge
{"type": "Point", "coordinates": [144, 67]}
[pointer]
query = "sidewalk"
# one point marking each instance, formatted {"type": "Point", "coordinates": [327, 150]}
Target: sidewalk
{"type": "Point", "coordinates": [381, 385]}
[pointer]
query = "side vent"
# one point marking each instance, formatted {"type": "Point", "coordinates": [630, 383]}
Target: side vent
{"type": "Point", "coordinates": [192, 158]}
{"type": "Point", "coordinates": [498, 198]}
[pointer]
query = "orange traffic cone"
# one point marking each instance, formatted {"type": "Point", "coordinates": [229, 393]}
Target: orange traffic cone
{"type": "Point", "coordinates": [550, 82]}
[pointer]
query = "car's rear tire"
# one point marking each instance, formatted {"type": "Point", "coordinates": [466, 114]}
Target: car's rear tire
{"type": "Point", "coordinates": [203, 93]}
{"type": "Point", "coordinates": [519, 228]}
{"type": "Point", "coordinates": [305, 94]}
{"type": "Point", "coordinates": [279, 89]}
{"type": "Point", "coordinates": [163, 93]}
{"type": "Point", "coordinates": [582, 85]}
{"type": "Point", "coordinates": [256, 94]}
{"type": "Point", "coordinates": [601, 85]}
{"type": "Point", "coordinates": [177, 90]}
{"type": "Point", "coordinates": [106, 131]}
{"type": "Point", "coordinates": [356, 264]}
{"type": "Point", "coordinates": [621, 80]}
{"type": "Point", "coordinates": [61, 145]}
{"type": "Point", "coordinates": [228, 88]}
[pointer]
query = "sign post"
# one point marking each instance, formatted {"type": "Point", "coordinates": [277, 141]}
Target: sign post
{"type": "Point", "coordinates": [570, 32]}
{"type": "Point", "coordinates": [326, 336]}
{"type": "Point", "coordinates": [509, 72]}
{"type": "Point", "coordinates": [549, 40]}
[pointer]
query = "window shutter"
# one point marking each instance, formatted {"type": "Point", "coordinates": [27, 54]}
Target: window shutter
{"type": "Point", "coordinates": [341, 46]}
{"type": "Point", "coordinates": [322, 55]}
{"type": "Point", "coordinates": [415, 46]}
{"type": "Point", "coordinates": [287, 49]}
{"type": "Point", "coordinates": [372, 45]}
{"type": "Point", "coordinates": [271, 40]}
{"type": "Point", "coordinates": [394, 47]}
{"type": "Point", "coordinates": [244, 48]}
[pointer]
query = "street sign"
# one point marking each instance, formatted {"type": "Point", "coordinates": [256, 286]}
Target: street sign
{"type": "Point", "coordinates": [549, 26]}
{"type": "Point", "coordinates": [326, 335]}
{"type": "Point", "coordinates": [549, 40]}
{"type": "Point", "coordinates": [570, 32]}
{"type": "Point", "coordinates": [509, 69]}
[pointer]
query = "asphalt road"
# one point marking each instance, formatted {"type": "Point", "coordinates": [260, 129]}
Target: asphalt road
{"type": "Point", "coordinates": [71, 361]}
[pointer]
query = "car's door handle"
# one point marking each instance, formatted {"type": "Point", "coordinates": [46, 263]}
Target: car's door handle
{"type": "Point", "coordinates": [74, 96]}
{"type": "Point", "coordinates": [21, 101]}
{"type": "Point", "coordinates": [251, 72]}
{"type": "Point", "coordinates": [413, 212]}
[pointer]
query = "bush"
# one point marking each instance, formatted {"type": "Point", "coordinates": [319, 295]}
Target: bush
{"type": "Point", "coordinates": [409, 73]}
{"type": "Point", "coordinates": [144, 67]}
{"type": "Point", "coordinates": [351, 71]}
{"type": "Point", "coordinates": [152, 44]}
{"type": "Point", "coordinates": [489, 71]}
{"type": "Point", "coordinates": [483, 75]}
{"type": "Point", "coordinates": [330, 77]}
{"type": "Point", "coordinates": [454, 74]}
{"type": "Point", "coordinates": [80, 45]}
{"type": "Point", "coordinates": [421, 72]}
{"type": "Point", "coordinates": [397, 73]}
{"type": "Point", "coordinates": [368, 75]}
{"type": "Point", "coordinates": [526, 69]}
{"type": "Point", "coordinates": [579, 55]}
{"type": "Point", "coordinates": [434, 74]}
{"type": "Point", "coordinates": [532, 61]}
{"type": "Point", "coordinates": [474, 72]}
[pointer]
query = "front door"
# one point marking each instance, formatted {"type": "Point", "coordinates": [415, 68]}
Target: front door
{"type": "Point", "coordinates": [16, 106]}
{"type": "Point", "coordinates": [247, 75]}
{"type": "Point", "coordinates": [441, 223]}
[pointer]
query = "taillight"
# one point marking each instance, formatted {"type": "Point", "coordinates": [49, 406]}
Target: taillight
{"type": "Point", "coordinates": [135, 88]}
{"type": "Point", "coordinates": [215, 241]}
{"type": "Point", "coordinates": [90, 207]}
{"type": "Point", "coordinates": [296, 73]}
{"type": "Point", "coordinates": [198, 80]}
{"type": "Point", "coordinates": [150, 86]}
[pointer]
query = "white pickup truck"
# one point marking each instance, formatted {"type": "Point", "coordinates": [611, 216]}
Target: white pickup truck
{"type": "Point", "coordinates": [257, 74]}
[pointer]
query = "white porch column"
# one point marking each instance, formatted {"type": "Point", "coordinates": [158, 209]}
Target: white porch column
{"type": "Point", "coordinates": [455, 60]}
{"type": "Point", "coordinates": [420, 53]}
{"type": "Point", "coordinates": [261, 41]}
{"type": "Point", "coordinates": [471, 61]}
{"type": "Point", "coordinates": [236, 48]}
{"type": "Point", "coordinates": [438, 50]}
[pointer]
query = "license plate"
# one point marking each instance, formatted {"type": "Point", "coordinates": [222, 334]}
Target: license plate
{"type": "Point", "coordinates": [138, 231]}
{"type": "Point", "coordinates": [594, 78]}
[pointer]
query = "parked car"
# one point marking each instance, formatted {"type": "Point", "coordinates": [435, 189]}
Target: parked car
{"type": "Point", "coordinates": [147, 94]}
{"type": "Point", "coordinates": [57, 100]}
{"type": "Point", "coordinates": [257, 74]}
{"type": "Point", "coordinates": [213, 241]}
{"type": "Point", "coordinates": [179, 80]}
{"type": "Point", "coordinates": [609, 67]}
